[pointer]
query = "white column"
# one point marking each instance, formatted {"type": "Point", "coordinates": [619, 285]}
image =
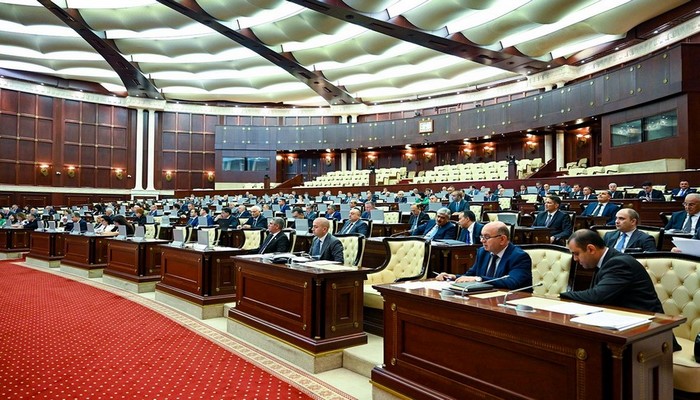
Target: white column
{"type": "Point", "coordinates": [343, 161]}
{"type": "Point", "coordinates": [151, 148]}
{"type": "Point", "coordinates": [353, 160]}
{"type": "Point", "coordinates": [561, 152]}
{"type": "Point", "coordinates": [138, 185]}
{"type": "Point", "coordinates": [548, 147]}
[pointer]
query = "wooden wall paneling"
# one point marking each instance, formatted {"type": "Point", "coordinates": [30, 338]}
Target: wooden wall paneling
{"type": "Point", "coordinates": [9, 101]}
{"type": "Point", "coordinates": [71, 110]}
{"type": "Point", "coordinates": [27, 103]}
{"type": "Point", "coordinates": [27, 127]}
{"type": "Point", "coordinates": [8, 172]}
{"type": "Point", "coordinates": [77, 200]}
{"type": "Point", "coordinates": [88, 113]}
{"type": "Point", "coordinates": [5, 200]}
{"type": "Point", "coordinates": [71, 132]}
{"type": "Point", "coordinates": [87, 177]}
{"type": "Point", "coordinates": [196, 142]}
{"type": "Point", "coordinates": [8, 125]}
{"type": "Point", "coordinates": [34, 200]}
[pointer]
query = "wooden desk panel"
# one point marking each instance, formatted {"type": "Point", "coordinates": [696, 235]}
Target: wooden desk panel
{"type": "Point", "coordinates": [134, 261]}
{"type": "Point", "coordinates": [454, 259]}
{"type": "Point", "coordinates": [86, 252]}
{"type": "Point", "coordinates": [317, 310]}
{"type": "Point", "coordinates": [47, 246]}
{"type": "Point", "coordinates": [472, 348]}
{"type": "Point", "coordinates": [14, 239]}
{"type": "Point", "coordinates": [203, 277]}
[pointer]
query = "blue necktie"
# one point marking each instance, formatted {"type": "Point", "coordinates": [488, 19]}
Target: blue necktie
{"type": "Point", "coordinates": [467, 239]}
{"type": "Point", "coordinates": [316, 250]}
{"type": "Point", "coordinates": [621, 244]}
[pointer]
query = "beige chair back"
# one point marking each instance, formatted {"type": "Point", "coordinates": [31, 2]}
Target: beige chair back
{"type": "Point", "coordinates": [353, 248]}
{"type": "Point", "coordinates": [253, 238]}
{"type": "Point", "coordinates": [292, 236]}
{"type": "Point", "coordinates": [212, 233]}
{"type": "Point", "coordinates": [391, 217]}
{"type": "Point", "coordinates": [406, 259]}
{"type": "Point", "coordinates": [151, 231]}
{"type": "Point", "coordinates": [551, 265]}
{"type": "Point", "coordinates": [654, 231]}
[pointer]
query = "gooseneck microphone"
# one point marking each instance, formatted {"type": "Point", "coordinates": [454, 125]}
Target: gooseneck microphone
{"type": "Point", "coordinates": [505, 298]}
{"type": "Point", "coordinates": [490, 280]}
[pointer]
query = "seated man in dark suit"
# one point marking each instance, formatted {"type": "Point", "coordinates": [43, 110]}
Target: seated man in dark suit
{"type": "Point", "coordinates": [627, 236]}
{"type": "Point", "coordinates": [332, 213]}
{"type": "Point", "coordinates": [588, 193]}
{"type": "Point", "coordinates": [470, 229]}
{"type": "Point", "coordinates": [649, 193]}
{"type": "Point", "coordinates": [225, 220]}
{"type": "Point", "coordinates": [555, 219]}
{"type": "Point", "coordinates": [458, 204]}
{"type": "Point", "coordinates": [354, 224]}
{"type": "Point", "coordinates": [576, 192]}
{"type": "Point", "coordinates": [417, 218]}
{"type": "Point", "coordinates": [32, 223]}
{"type": "Point", "coordinates": [367, 214]}
{"type": "Point", "coordinates": [276, 241]}
{"type": "Point", "coordinates": [620, 280]}
{"type": "Point", "coordinates": [687, 219]}
{"type": "Point", "coordinates": [438, 228]}
{"type": "Point", "coordinates": [256, 220]}
{"type": "Point", "coordinates": [614, 193]}
{"type": "Point", "coordinates": [682, 190]}
{"type": "Point", "coordinates": [603, 208]}
{"type": "Point", "coordinates": [325, 246]}
{"type": "Point", "coordinates": [75, 219]}
{"type": "Point", "coordinates": [497, 258]}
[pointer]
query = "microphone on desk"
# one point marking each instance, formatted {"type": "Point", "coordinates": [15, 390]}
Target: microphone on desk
{"type": "Point", "coordinates": [488, 281]}
{"type": "Point", "coordinates": [519, 307]}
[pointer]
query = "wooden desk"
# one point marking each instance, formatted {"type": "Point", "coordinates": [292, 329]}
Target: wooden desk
{"type": "Point", "coordinates": [86, 252]}
{"type": "Point", "coordinates": [14, 240]}
{"type": "Point", "coordinates": [472, 348]}
{"type": "Point", "coordinates": [587, 221]}
{"type": "Point", "coordinates": [315, 309]}
{"type": "Point", "coordinates": [202, 277]}
{"type": "Point", "coordinates": [134, 261]}
{"type": "Point", "coordinates": [46, 247]}
{"type": "Point", "coordinates": [455, 259]}
{"type": "Point", "coordinates": [529, 235]}
{"type": "Point", "coordinates": [384, 229]}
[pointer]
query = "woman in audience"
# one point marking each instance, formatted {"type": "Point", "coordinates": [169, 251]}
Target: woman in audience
{"type": "Point", "coordinates": [139, 216]}
{"type": "Point", "coordinates": [120, 220]}
{"type": "Point", "coordinates": [105, 225]}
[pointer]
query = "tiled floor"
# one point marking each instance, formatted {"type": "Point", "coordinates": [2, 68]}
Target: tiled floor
{"type": "Point", "coordinates": [352, 379]}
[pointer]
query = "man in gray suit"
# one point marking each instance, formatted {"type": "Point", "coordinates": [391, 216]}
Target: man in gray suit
{"type": "Point", "coordinates": [354, 224]}
{"type": "Point", "coordinates": [325, 246]}
{"type": "Point", "coordinates": [627, 236]}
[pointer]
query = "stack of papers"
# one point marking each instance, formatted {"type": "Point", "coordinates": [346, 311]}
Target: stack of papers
{"type": "Point", "coordinates": [687, 246]}
{"type": "Point", "coordinates": [610, 320]}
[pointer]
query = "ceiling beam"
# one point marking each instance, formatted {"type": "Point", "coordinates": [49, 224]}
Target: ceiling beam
{"type": "Point", "coordinates": [315, 80]}
{"type": "Point", "coordinates": [134, 81]}
{"type": "Point", "coordinates": [456, 44]}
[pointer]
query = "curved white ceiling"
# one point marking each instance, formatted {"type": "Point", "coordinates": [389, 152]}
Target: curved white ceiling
{"type": "Point", "coordinates": [187, 60]}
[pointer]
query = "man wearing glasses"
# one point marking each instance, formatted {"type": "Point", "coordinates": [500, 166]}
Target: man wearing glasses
{"type": "Point", "coordinates": [438, 228]}
{"type": "Point", "coordinates": [686, 220]}
{"type": "Point", "coordinates": [498, 257]}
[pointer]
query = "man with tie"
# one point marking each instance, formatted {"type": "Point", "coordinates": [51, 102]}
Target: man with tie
{"type": "Point", "coordinates": [225, 220]}
{"type": "Point", "coordinates": [283, 205]}
{"type": "Point", "coordinates": [369, 206]}
{"type": "Point", "coordinates": [554, 219]}
{"type": "Point", "coordinates": [588, 193]}
{"type": "Point", "coordinates": [470, 229]}
{"type": "Point", "coordinates": [275, 241]}
{"type": "Point", "coordinates": [682, 190]}
{"type": "Point", "coordinates": [687, 219]}
{"type": "Point", "coordinates": [417, 218]}
{"type": "Point", "coordinates": [648, 193]}
{"type": "Point", "coordinates": [458, 204]}
{"type": "Point", "coordinates": [614, 193]}
{"type": "Point", "coordinates": [576, 192]}
{"type": "Point", "coordinates": [256, 220]}
{"type": "Point", "coordinates": [603, 208]}
{"type": "Point", "coordinates": [498, 257]}
{"type": "Point", "coordinates": [438, 228]}
{"type": "Point", "coordinates": [354, 224]}
{"type": "Point", "coordinates": [325, 246]}
{"type": "Point", "coordinates": [627, 236]}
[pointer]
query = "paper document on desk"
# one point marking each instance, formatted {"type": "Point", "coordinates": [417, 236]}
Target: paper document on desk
{"type": "Point", "coordinates": [434, 285]}
{"type": "Point", "coordinates": [329, 265]}
{"type": "Point", "coordinates": [687, 246]}
{"type": "Point", "coordinates": [568, 308]}
{"type": "Point", "coordinates": [609, 320]}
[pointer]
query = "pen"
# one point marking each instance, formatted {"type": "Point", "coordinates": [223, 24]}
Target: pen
{"type": "Point", "coordinates": [447, 278]}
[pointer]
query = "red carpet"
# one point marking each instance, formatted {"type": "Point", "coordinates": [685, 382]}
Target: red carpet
{"type": "Point", "coordinates": [62, 339]}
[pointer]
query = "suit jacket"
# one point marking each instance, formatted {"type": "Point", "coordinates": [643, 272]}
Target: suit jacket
{"type": "Point", "coordinates": [656, 195]}
{"type": "Point", "coordinates": [474, 237]}
{"type": "Point", "coordinates": [458, 206]}
{"type": "Point", "coordinates": [589, 197]}
{"type": "Point", "coordinates": [576, 195]}
{"type": "Point", "coordinates": [447, 231]}
{"type": "Point", "coordinates": [515, 262]}
{"type": "Point", "coordinates": [227, 223]}
{"type": "Point", "coordinates": [422, 219]}
{"type": "Point", "coordinates": [609, 211]}
{"type": "Point", "coordinates": [34, 225]}
{"type": "Point", "coordinates": [492, 197]}
{"type": "Point", "coordinates": [260, 223]}
{"type": "Point", "coordinates": [401, 199]}
{"type": "Point", "coordinates": [336, 216]}
{"type": "Point", "coordinates": [677, 219]}
{"type": "Point", "coordinates": [360, 227]}
{"type": "Point", "coordinates": [560, 225]}
{"type": "Point", "coordinates": [676, 192]}
{"type": "Point", "coordinates": [638, 240]}
{"type": "Point", "coordinates": [331, 250]}
{"type": "Point", "coordinates": [621, 282]}
{"type": "Point", "coordinates": [69, 226]}
{"type": "Point", "coordinates": [278, 244]}
{"type": "Point", "coordinates": [618, 194]}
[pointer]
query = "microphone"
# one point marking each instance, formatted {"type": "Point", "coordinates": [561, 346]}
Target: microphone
{"type": "Point", "coordinates": [490, 280]}
{"type": "Point", "coordinates": [505, 298]}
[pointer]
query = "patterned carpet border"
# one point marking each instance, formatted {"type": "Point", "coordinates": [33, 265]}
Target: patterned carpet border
{"type": "Point", "coordinates": [281, 369]}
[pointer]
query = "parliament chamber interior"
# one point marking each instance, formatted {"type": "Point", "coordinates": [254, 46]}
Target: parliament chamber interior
{"type": "Point", "coordinates": [159, 147]}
